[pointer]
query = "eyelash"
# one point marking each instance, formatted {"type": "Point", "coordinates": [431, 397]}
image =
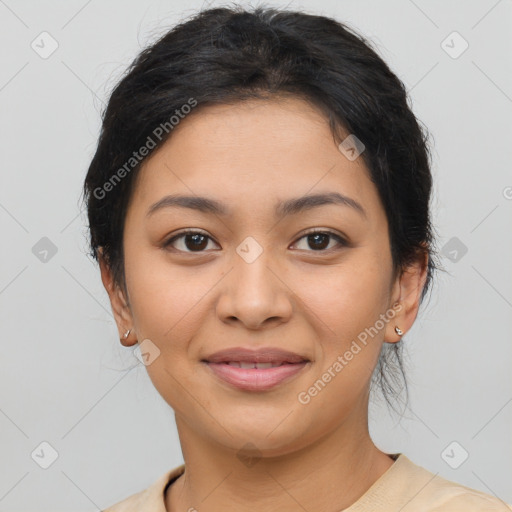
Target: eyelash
{"type": "Point", "coordinates": [341, 241]}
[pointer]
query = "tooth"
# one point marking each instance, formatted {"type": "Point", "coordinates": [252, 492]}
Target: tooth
{"type": "Point", "coordinates": [247, 365]}
{"type": "Point", "coordinates": [234, 363]}
{"type": "Point", "coordinates": [264, 365]}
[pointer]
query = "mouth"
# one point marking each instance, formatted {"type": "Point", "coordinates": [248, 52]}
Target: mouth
{"type": "Point", "coordinates": [255, 370]}
{"type": "Point", "coordinates": [254, 364]}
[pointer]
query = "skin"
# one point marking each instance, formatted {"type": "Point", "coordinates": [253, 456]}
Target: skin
{"type": "Point", "coordinates": [293, 296]}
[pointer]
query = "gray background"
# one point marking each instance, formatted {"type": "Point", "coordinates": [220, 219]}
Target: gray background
{"type": "Point", "coordinates": [66, 380]}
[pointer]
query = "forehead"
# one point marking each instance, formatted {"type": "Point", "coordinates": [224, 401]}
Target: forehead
{"type": "Point", "coordinates": [252, 154]}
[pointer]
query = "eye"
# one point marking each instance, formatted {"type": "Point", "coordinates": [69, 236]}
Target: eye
{"type": "Point", "coordinates": [193, 241]}
{"type": "Point", "coordinates": [197, 241]}
{"type": "Point", "coordinates": [319, 240]}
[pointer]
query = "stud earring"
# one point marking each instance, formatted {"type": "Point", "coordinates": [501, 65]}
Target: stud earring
{"type": "Point", "coordinates": [398, 331]}
{"type": "Point", "coordinates": [126, 334]}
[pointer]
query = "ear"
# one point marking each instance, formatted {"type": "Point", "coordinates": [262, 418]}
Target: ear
{"type": "Point", "coordinates": [405, 297]}
{"type": "Point", "coordinates": [118, 302]}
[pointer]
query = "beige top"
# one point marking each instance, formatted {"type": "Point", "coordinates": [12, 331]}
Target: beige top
{"type": "Point", "coordinates": [404, 487]}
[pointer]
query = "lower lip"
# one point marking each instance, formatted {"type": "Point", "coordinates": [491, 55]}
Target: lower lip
{"type": "Point", "coordinates": [255, 379]}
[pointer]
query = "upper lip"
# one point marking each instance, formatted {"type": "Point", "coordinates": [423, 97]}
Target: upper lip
{"type": "Point", "coordinates": [261, 355]}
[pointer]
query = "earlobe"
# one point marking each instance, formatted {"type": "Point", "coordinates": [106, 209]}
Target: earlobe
{"type": "Point", "coordinates": [125, 339]}
{"type": "Point", "coordinates": [393, 327]}
{"type": "Point", "coordinates": [409, 287]}
{"type": "Point", "coordinates": [118, 303]}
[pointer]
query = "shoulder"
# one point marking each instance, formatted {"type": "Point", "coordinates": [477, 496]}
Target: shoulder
{"type": "Point", "coordinates": [150, 499]}
{"type": "Point", "coordinates": [429, 492]}
{"type": "Point", "coordinates": [448, 496]}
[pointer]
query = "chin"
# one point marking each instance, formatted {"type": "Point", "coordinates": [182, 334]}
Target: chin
{"type": "Point", "coordinates": [265, 433]}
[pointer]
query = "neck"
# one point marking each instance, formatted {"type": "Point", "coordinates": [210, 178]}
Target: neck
{"type": "Point", "coordinates": [330, 473]}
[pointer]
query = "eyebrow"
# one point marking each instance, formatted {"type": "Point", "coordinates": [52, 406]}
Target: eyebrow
{"type": "Point", "coordinates": [282, 208]}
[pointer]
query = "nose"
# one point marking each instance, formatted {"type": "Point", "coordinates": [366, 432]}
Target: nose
{"type": "Point", "coordinates": [255, 294]}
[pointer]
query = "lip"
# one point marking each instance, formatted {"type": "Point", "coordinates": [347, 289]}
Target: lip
{"type": "Point", "coordinates": [255, 379]}
{"type": "Point", "coordinates": [261, 355]}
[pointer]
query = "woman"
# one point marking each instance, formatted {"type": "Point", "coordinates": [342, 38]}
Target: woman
{"type": "Point", "coordinates": [259, 208]}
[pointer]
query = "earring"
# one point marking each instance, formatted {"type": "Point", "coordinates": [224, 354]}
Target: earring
{"type": "Point", "coordinates": [398, 331]}
{"type": "Point", "coordinates": [125, 335]}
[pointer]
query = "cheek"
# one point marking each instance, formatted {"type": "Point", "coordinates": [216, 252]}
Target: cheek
{"type": "Point", "coordinates": [347, 305]}
{"type": "Point", "coordinates": [349, 297]}
{"type": "Point", "coordinates": [162, 295]}
{"type": "Point", "coordinates": [167, 306]}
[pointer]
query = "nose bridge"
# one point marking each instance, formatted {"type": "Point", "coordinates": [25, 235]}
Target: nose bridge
{"type": "Point", "coordinates": [252, 262]}
{"type": "Point", "coordinates": [253, 278]}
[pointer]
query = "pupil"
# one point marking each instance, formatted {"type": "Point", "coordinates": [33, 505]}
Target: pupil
{"type": "Point", "coordinates": [196, 239]}
{"type": "Point", "coordinates": [316, 237]}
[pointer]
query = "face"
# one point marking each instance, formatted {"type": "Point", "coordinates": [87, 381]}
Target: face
{"type": "Point", "coordinates": [260, 272]}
